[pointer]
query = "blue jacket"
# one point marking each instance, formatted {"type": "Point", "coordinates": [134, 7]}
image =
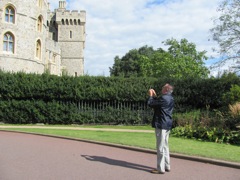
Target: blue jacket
{"type": "Point", "coordinates": [163, 108]}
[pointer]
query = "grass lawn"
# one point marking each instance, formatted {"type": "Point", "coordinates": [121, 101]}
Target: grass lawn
{"type": "Point", "coordinates": [142, 139]}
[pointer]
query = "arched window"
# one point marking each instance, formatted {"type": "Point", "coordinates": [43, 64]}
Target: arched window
{"type": "Point", "coordinates": [10, 14]}
{"type": "Point", "coordinates": [39, 24]}
{"type": "Point", "coordinates": [79, 22]}
{"type": "Point", "coordinates": [75, 22]}
{"type": "Point", "coordinates": [38, 49]}
{"type": "Point", "coordinates": [67, 22]}
{"type": "Point", "coordinates": [8, 42]}
{"type": "Point", "coordinates": [63, 22]}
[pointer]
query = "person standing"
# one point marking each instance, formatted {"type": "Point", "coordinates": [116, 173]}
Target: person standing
{"type": "Point", "coordinates": [162, 122]}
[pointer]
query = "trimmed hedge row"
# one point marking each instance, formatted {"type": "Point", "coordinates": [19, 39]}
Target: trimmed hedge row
{"type": "Point", "coordinates": [48, 87]}
{"type": "Point", "coordinates": [188, 93]}
{"type": "Point", "coordinates": [41, 94]}
{"type": "Point", "coordinates": [32, 112]}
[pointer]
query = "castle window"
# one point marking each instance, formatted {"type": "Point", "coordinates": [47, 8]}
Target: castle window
{"type": "Point", "coordinates": [75, 22]}
{"type": "Point", "coordinates": [39, 24]}
{"type": "Point", "coordinates": [54, 58]}
{"type": "Point", "coordinates": [38, 49]}
{"type": "Point", "coordinates": [63, 22]}
{"type": "Point", "coordinates": [53, 36]}
{"type": "Point", "coordinates": [67, 22]}
{"type": "Point", "coordinates": [71, 34]}
{"type": "Point", "coordinates": [79, 22]}
{"type": "Point", "coordinates": [8, 42]}
{"type": "Point", "coordinates": [10, 14]}
{"type": "Point", "coordinates": [71, 22]}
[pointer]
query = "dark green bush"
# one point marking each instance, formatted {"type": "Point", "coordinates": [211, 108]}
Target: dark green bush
{"type": "Point", "coordinates": [189, 93]}
{"type": "Point", "coordinates": [26, 112]}
{"type": "Point", "coordinates": [212, 134]}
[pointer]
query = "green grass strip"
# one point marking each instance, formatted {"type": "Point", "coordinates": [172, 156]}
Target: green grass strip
{"type": "Point", "coordinates": [147, 140]}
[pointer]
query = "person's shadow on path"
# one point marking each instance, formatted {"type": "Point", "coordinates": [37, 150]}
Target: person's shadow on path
{"type": "Point", "coordinates": [115, 162]}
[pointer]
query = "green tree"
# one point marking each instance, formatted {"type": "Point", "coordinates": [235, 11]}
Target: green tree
{"type": "Point", "coordinates": [227, 28]}
{"type": "Point", "coordinates": [128, 65]}
{"type": "Point", "coordinates": [180, 60]}
{"type": "Point", "coordinates": [183, 60]}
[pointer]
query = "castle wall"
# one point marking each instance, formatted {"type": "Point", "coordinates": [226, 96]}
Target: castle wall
{"type": "Point", "coordinates": [25, 35]}
{"type": "Point", "coordinates": [59, 50]}
{"type": "Point", "coordinates": [53, 57]}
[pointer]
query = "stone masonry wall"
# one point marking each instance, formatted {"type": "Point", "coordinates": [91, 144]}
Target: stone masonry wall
{"type": "Point", "coordinates": [61, 44]}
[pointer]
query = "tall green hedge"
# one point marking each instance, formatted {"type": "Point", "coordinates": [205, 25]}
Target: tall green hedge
{"type": "Point", "coordinates": [48, 87]}
{"type": "Point", "coordinates": [32, 97]}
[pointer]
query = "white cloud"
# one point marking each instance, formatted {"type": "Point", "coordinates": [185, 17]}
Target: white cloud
{"type": "Point", "coordinates": [114, 27]}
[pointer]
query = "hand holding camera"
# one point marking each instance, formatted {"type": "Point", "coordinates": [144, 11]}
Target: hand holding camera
{"type": "Point", "coordinates": [152, 92]}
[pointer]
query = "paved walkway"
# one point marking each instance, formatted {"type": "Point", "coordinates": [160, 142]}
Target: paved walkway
{"type": "Point", "coordinates": [34, 157]}
{"type": "Point", "coordinates": [176, 155]}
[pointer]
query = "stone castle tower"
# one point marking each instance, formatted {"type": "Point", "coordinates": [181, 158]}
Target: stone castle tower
{"type": "Point", "coordinates": [35, 40]}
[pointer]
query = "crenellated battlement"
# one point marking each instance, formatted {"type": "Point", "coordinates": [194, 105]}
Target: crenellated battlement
{"type": "Point", "coordinates": [62, 14]}
{"type": "Point", "coordinates": [72, 13]}
{"type": "Point", "coordinates": [67, 14]}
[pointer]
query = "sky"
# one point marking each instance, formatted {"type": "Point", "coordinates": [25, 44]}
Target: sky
{"type": "Point", "coordinates": [113, 27]}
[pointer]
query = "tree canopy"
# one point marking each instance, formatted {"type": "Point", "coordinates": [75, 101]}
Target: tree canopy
{"type": "Point", "coordinates": [181, 59]}
{"type": "Point", "coordinates": [227, 28]}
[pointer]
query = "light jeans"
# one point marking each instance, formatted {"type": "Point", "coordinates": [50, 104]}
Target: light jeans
{"type": "Point", "coordinates": [163, 157]}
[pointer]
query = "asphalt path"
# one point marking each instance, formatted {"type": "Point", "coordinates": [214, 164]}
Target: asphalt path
{"type": "Point", "coordinates": [34, 157]}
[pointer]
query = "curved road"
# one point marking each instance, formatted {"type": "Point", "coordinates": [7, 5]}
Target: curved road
{"type": "Point", "coordinates": [34, 157]}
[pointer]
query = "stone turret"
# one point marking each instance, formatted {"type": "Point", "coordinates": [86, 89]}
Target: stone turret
{"type": "Point", "coordinates": [62, 4]}
{"type": "Point", "coordinates": [71, 37]}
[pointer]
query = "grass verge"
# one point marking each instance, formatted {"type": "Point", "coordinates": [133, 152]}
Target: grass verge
{"type": "Point", "coordinates": [144, 140]}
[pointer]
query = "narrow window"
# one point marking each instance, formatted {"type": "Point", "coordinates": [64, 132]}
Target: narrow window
{"type": "Point", "coordinates": [8, 43]}
{"type": "Point", "coordinates": [39, 24]}
{"type": "Point", "coordinates": [75, 74]}
{"type": "Point", "coordinates": [54, 58]}
{"type": "Point", "coordinates": [53, 36]}
{"type": "Point", "coordinates": [9, 14]}
{"type": "Point", "coordinates": [49, 55]}
{"type": "Point", "coordinates": [38, 49]}
{"type": "Point", "coordinates": [71, 34]}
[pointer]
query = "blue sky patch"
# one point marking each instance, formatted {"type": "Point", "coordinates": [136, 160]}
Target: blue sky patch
{"type": "Point", "coordinates": [155, 3]}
